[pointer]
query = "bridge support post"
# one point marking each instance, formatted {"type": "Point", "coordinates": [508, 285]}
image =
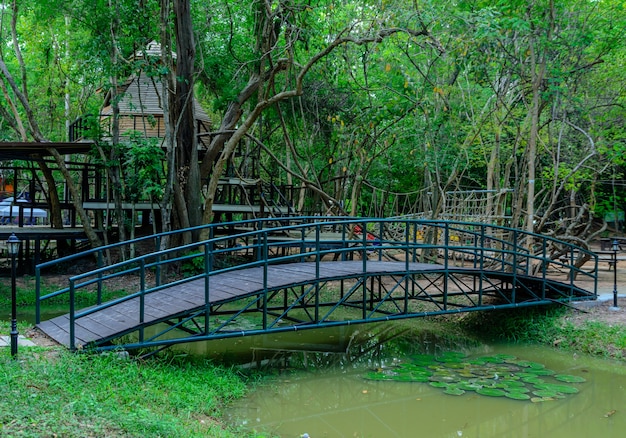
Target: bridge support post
{"type": "Point", "coordinates": [208, 268]}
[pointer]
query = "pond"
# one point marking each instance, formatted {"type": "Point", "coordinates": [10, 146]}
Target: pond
{"type": "Point", "coordinates": [330, 395]}
{"type": "Point", "coordinates": [351, 381]}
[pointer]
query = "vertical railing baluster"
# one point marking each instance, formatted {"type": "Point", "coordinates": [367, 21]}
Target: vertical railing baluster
{"type": "Point", "coordinates": [37, 294]}
{"type": "Point", "coordinates": [100, 263]}
{"type": "Point", "coordinates": [481, 264]}
{"type": "Point", "coordinates": [544, 266]}
{"type": "Point", "coordinates": [344, 244]}
{"type": "Point", "coordinates": [265, 263]}
{"type": "Point", "coordinates": [407, 260]}
{"type": "Point", "coordinates": [364, 266]}
{"type": "Point", "coordinates": [302, 243]}
{"type": "Point", "coordinates": [381, 233]}
{"type": "Point", "coordinates": [446, 254]}
{"type": "Point", "coordinates": [318, 257]}
{"type": "Point", "coordinates": [208, 268]}
{"type": "Point", "coordinates": [72, 316]}
{"type": "Point", "coordinates": [142, 298]}
{"type": "Point", "coordinates": [157, 272]}
{"type": "Point", "coordinates": [514, 267]}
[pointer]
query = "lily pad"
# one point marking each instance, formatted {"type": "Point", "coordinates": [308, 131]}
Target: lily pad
{"type": "Point", "coordinates": [540, 371]}
{"type": "Point", "coordinates": [455, 365]}
{"type": "Point", "coordinates": [423, 359]}
{"type": "Point", "coordinates": [533, 380]}
{"type": "Point", "coordinates": [443, 378]}
{"type": "Point", "coordinates": [450, 356]}
{"type": "Point", "coordinates": [545, 393]}
{"type": "Point", "coordinates": [540, 399]}
{"type": "Point", "coordinates": [516, 395]}
{"type": "Point", "coordinates": [467, 386]}
{"type": "Point", "coordinates": [404, 378]}
{"type": "Point", "coordinates": [419, 378]}
{"type": "Point", "coordinates": [492, 359]}
{"type": "Point", "coordinates": [564, 389]}
{"type": "Point", "coordinates": [524, 374]}
{"type": "Point", "coordinates": [453, 390]}
{"type": "Point", "coordinates": [506, 357]}
{"type": "Point", "coordinates": [410, 367]}
{"type": "Point", "coordinates": [523, 390]}
{"type": "Point", "coordinates": [529, 364]}
{"type": "Point", "coordinates": [569, 379]}
{"type": "Point", "coordinates": [438, 384]}
{"type": "Point", "coordinates": [512, 383]}
{"type": "Point", "coordinates": [491, 392]}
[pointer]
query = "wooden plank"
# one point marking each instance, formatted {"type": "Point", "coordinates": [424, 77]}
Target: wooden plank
{"type": "Point", "coordinates": [94, 329]}
{"type": "Point", "coordinates": [54, 331]}
{"type": "Point", "coordinates": [115, 320]}
{"type": "Point", "coordinates": [58, 329]}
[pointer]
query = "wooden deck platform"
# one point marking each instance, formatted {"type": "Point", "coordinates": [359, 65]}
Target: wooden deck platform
{"type": "Point", "coordinates": [167, 303]}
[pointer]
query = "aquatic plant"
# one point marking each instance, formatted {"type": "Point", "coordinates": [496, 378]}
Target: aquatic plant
{"type": "Point", "coordinates": [499, 375]}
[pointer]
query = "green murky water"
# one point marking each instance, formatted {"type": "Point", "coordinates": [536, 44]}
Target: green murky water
{"type": "Point", "coordinates": [336, 401]}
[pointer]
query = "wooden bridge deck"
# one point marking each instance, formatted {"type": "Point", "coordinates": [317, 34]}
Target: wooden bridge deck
{"type": "Point", "coordinates": [181, 299]}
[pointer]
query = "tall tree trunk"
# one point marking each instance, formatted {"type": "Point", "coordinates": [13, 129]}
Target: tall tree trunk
{"type": "Point", "coordinates": [187, 151]}
{"type": "Point", "coordinates": [167, 84]}
{"type": "Point", "coordinates": [537, 74]}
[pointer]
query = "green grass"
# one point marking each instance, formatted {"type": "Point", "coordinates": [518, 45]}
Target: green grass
{"type": "Point", "coordinates": [26, 294]}
{"type": "Point", "coordinates": [593, 337]}
{"type": "Point", "coordinates": [52, 392]}
{"type": "Point", "coordinates": [549, 326]}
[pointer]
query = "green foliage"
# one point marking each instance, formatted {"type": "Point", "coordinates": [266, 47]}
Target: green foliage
{"type": "Point", "coordinates": [143, 168]}
{"type": "Point", "coordinates": [446, 110]}
{"type": "Point", "coordinates": [535, 324]}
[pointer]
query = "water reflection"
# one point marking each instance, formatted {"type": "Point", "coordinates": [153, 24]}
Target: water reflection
{"type": "Point", "coordinates": [338, 402]}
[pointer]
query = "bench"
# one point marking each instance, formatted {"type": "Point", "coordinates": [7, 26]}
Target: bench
{"type": "Point", "coordinates": [607, 257]}
{"type": "Point", "coordinates": [606, 243]}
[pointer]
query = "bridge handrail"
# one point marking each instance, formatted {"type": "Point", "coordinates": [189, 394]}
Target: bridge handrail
{"type": "Point", "coordinates": [501, 249]}
{"type": "Point", "coordinates": [98, 253]}
{"type": "Point", "coordinates": [470, 250]}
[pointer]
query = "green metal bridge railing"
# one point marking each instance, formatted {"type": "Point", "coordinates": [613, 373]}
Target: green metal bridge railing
{"type": "Point", "coordinates": [265, 242]}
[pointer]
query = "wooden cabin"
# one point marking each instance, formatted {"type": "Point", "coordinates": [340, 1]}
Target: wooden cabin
{"type": "Point", "coordinates": [140, 105]}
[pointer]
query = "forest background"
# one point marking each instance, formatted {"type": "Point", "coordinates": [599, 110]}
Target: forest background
{"type": "Point", "coordinates": [523, 98]}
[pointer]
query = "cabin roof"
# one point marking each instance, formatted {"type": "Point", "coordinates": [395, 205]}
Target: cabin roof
{"type": "Point", "coordinates": [142, 95]}
{"type": "Point", "coordinates": [153, 49]}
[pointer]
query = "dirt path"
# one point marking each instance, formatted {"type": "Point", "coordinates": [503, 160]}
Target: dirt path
{"type": "Point", "coordinates": [602, 310]}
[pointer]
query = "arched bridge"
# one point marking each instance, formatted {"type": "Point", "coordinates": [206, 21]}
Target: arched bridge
{"type": "Point", "coordinates": [289, 274]}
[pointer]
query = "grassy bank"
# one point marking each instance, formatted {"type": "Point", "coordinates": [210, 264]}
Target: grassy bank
{"type": "Point", "coordinates": [26, 295]}
{"type": "Point", "coordinates": [51, 392]}
{"type": "Point", "coordinates": [552, 326]}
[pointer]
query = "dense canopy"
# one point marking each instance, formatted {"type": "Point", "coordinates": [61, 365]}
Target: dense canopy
{"type": "Point", "coordinates": [378, 107]}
